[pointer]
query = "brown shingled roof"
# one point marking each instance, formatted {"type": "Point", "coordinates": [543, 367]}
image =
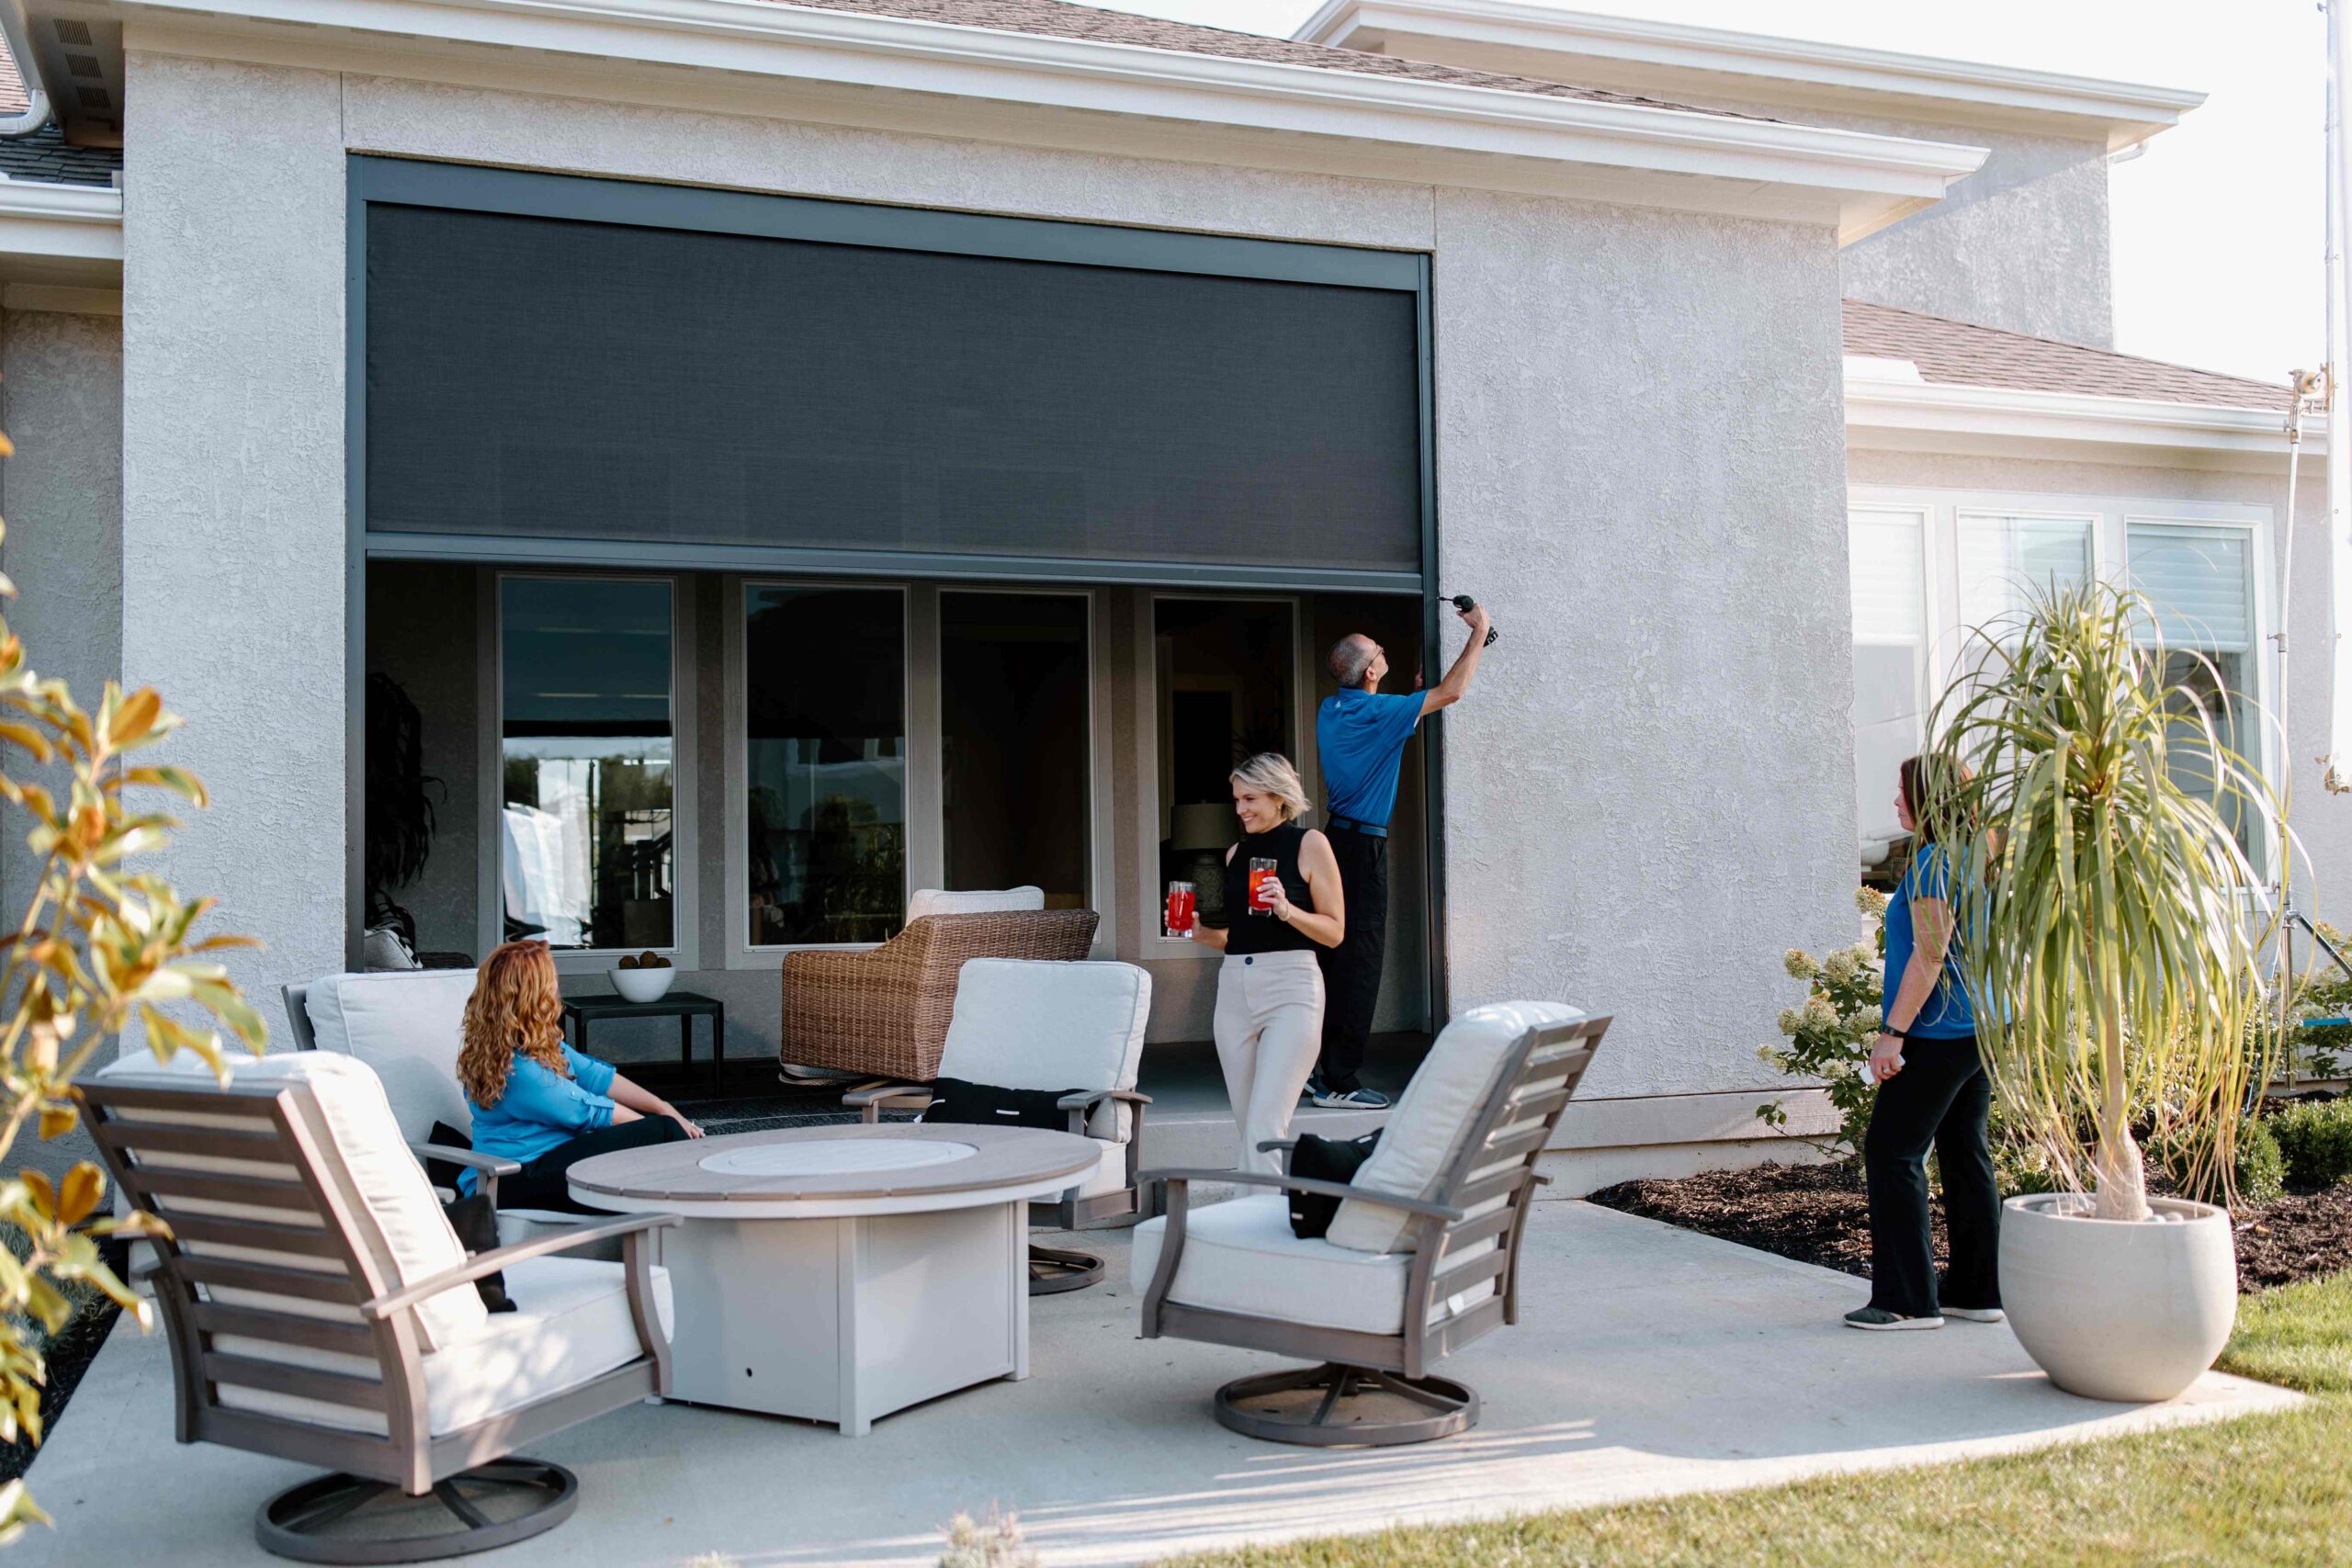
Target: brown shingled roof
{"type": "Point", "coordinates": [1961, 353]}
{"type": "Point", "coordinates": [1059, 18]}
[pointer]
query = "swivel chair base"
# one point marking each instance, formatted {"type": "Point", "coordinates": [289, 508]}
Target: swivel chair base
{"type": "Point", "coordinates": [1054, 1270]}
{"type": "Point", "coordinates": [1340, 1406]}
{"type": "Point", "coordinates": [349, 1518]}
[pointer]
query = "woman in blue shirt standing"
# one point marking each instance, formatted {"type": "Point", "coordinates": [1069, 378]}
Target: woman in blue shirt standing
{"type": "Point", "coordinates": [535, 1100]}
{"type": "Point", "coordinates": [1932, 1093]}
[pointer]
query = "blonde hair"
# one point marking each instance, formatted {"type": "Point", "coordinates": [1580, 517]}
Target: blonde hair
{"type": "Point", "coordinates": [1270, 773]}
{"type": "Point", "coordinates": [515, 1010]}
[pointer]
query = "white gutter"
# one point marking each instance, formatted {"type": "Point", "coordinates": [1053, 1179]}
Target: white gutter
{"type": "Point", "coordinates": [36, 115]}
{"type": "Point", "coordinates": [58, 223]}
{"type": "Point", "coordinates": [1924, 415]}
{"type": "Point", "coordinates": [1673, 58]}
{"type": "Point", "coordinates": [1407, 116]}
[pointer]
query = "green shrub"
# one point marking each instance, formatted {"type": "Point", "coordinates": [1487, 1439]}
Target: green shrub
{"type": "Point", "coordinates": [2261, 1172]}
{"type": "Point", "coordinates": [2315, 1138]}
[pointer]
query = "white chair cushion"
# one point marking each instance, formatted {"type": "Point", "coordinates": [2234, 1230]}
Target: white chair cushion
{"type": "Point", "coordinates": [397, 1219]}
{"type": "Point", "coordinates": [1109, 1172]}
{"type": "Point", "coordinates": [1433, 1117]}
{"type": "Point", "coordinates": [1047, 1023]}
{"type": "Point", "coordinates": [408, 1027]}
{"type": "Point", "coordinates": [987, 901]}
{"type": "Point", "coordinates": [571, 1322]}
{"type": "Point", "coordinates": [1241, 1256]}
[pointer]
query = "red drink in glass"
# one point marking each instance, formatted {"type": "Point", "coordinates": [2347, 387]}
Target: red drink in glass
{"type": "Point", "coordinates": [1263, 876]}
{"type": "Point", "coordinates": [1180, 909]}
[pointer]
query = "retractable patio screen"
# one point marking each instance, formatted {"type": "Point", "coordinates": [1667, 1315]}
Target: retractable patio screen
{"type": "Point", "coordinates": [538, 376]}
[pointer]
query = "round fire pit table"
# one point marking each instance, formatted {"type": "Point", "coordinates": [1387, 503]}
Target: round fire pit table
{"type": "Point", "coordinates": [841, 1273]}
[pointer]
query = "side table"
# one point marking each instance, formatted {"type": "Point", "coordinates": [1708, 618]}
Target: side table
{"type": "Point", "coordinates": [579, 1012]}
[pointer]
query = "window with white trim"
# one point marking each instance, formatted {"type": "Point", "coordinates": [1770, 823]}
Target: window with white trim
{"type": "Point", "coordinates": [1964, 561]}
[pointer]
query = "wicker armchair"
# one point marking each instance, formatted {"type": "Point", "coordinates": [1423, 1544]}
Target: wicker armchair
{"type": "Point", "coordinates": [885, 1013]}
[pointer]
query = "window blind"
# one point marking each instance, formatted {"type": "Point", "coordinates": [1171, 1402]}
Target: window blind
{"type": "Point", "coordinates": [2003, 559]}
{"type": "Point", "coordinates": [2200, 582]}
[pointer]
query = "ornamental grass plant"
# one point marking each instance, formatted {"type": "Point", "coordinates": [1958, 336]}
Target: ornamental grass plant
{"type": "Point", "coordinates": [2112, 923]}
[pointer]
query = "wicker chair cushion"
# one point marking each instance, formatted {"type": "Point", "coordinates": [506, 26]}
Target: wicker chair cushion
{"type": "Point", "coordinates": [406, 1027]}
{"type": "Point", "coordinates": [1435, 1116]}
{"type": "Point", "coordinates": [1241, 1256]}
{"type": "Point", "coordinates": [985, 901]}
{"type": "Point", "coordinates": [394, 1213]}
{"type": "Point", "coordinates": [1040, 1024]}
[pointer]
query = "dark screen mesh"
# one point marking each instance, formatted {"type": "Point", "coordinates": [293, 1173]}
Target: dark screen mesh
{"type": "Point", "coordinates": [546, 377]}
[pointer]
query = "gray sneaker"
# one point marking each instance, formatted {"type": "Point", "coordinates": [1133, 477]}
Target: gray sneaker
{"type": "Point", "coordinates": [1331, 1099]}
{"type": "Point", "coordinates": [1880, 1321]}
{"type": "Point", "coordinates": [1976, 1314]}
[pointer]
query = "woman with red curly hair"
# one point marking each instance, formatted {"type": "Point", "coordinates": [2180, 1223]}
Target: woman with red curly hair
{"type": "Point", "coordinates": [536, 1100]}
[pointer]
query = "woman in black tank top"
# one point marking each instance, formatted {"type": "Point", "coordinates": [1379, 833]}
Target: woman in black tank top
{"type": "Point", "coordinates": [1269, 989]}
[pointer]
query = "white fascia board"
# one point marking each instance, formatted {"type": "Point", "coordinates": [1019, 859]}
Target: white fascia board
{"type": "Point", "coordinates": [1692, 63]}
{"type": "Point", "coordinates": [42, 224]}
{"type": "Point", "coordinates": [1438, 130]}
{"type": "Point", "coordinates": [1889, 415]}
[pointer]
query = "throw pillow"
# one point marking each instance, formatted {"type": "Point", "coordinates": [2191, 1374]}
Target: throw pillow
{"type": "Point", "coordinates": [1324, 1159]}
{"type": "Point", "coordinates": [440, 1172]}
{"type": "Point", "coordinates": [960, 1103]}
{"type": "Point", "coordinates": [476, 1223]}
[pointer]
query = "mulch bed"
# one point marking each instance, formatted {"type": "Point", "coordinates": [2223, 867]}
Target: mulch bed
{"type": "Point", "coordinates": [1818, 1214]}
{"type": "Point", "coordinates": [70, 1355]}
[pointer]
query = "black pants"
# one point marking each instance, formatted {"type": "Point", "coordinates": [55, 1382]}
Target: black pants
{"type": "Point", "coordinates": [540, 1184]}
{"type": "Point", "coordinates": [1941, 1098]}
{"type": "Point", "coordinates": [1351, 970]}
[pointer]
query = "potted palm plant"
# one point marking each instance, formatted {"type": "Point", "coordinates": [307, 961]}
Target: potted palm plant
{"type": "Point", "coordinates": [2112, 943]}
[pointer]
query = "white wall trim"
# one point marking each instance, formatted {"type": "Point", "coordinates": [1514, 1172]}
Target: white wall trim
{"type": "Point", "coordinates": [1674, 59]}
{"type": "Point", "coordinates": [1333, 121]}
{"type": "Point", "coordinates": [1882, 415]}
{"type": "Point", "coordinates": [60, 233]}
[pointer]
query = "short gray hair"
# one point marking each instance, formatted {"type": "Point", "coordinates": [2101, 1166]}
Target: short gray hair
{"type": "Point", "coordinates": [1270, 773]}
{"type": "Point", "coordinates": [1351, 656]}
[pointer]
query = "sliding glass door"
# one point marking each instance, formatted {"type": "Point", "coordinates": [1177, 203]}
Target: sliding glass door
{"type": "Point", "coordinates": [1016, 745]}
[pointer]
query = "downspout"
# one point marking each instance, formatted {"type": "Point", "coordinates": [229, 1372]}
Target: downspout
{"type": "Point", "coordinates": [36, 115]}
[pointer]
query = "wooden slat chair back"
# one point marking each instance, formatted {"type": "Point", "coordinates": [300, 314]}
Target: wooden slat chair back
{"type": "Point", "coordinates": [272, 1298]}
{"type": "Point", "coordinates": [1465, 1231]}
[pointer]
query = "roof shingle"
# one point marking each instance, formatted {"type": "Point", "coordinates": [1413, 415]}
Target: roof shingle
{"type": "Point", "coordinates": [1059, 18]}
{"type": "Point", "coordinates": [1961, 353]}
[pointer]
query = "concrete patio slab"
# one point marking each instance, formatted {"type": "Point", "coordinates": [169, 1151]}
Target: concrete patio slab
{"type": "Point", "coordinates": [1649, 1361]}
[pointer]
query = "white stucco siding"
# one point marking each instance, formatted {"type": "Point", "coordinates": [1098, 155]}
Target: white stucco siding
{"type": "Point", "coordinates": [232, 533]}
{"type": "Point", "coordinates": [1640, 470]}
{"type": "Point", "coordinates": [2023, 243]}
{"type": "Point", "coordinates": [60, 379]}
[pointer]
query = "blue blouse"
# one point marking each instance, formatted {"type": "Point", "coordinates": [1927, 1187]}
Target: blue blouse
{"type": "Point", "coordinates": [541, 1110]}
{"type": "Point", "coordinates": [1948, 1014]}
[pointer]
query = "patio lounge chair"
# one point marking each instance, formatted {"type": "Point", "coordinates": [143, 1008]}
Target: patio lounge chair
{"type": "Point", "coordinates": [321, 1309]}
{"type": "Point", "coordinates": [883, 1014]}
{"type": "Point", "coordinates": [1422, 1257]}
{"type": "Point", "coordinates": [1031, 1024]}
{"type": "Point", "coordinates": [405, 1025]}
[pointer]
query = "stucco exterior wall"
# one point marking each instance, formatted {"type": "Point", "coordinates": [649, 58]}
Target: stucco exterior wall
{"type": "Point", "coordinates": [2322, 822]}
{"type": "Point", "coordinates": [61, 402]}
{"type": "Point", "coordinates": [1648, 802]}
{"type": "Point", "coordinates": [2024, 242]}
{"type": "Point", "coordinates": [232, 526]}
{"type": "Point", "coordinates": [1641, 470]}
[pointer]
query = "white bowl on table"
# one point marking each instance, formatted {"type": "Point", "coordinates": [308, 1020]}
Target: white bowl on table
{"type": "Point", "coordinates": [644, 985]}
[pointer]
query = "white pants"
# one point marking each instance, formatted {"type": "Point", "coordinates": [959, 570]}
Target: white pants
{"type": "Point", "coordinates": [1269, 1031]}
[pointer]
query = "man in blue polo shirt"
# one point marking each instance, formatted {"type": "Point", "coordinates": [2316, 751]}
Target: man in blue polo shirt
{"type": "Point", "coordinates": [1359, 735]}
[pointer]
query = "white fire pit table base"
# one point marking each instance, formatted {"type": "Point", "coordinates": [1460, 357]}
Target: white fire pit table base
{"type": "Point", "coordinates": [841, 1273]}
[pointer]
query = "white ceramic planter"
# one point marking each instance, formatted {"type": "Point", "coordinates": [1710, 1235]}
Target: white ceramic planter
{"type": "Point", "coordinates": [2118, 1310]}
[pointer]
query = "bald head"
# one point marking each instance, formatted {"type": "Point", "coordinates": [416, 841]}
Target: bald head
{"type": "Point", "coordinates": [1352, 657]}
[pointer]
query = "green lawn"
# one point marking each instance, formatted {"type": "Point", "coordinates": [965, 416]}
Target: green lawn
{"type": "Point", "coordinates": [2260, 1490]}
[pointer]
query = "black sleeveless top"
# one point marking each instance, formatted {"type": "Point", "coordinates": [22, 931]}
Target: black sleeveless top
{"type": "Point", "coordinates": [1246, 932]}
